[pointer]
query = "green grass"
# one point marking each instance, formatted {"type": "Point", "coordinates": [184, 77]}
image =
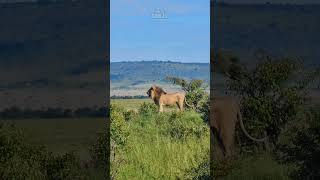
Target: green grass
{"type": "Point", "coordinates": [129, 103]}
{"type": "Point", "coordinates": [259, 167]}
{"type": "Point", "coordinates": [62, 135]}
{"type": "Point", "coordinates": [152, 152]}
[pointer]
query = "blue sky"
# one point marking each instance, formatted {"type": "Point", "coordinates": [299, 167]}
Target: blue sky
{"type": "Point", "coordinates": [272, 1]}
{"type": "Point", "coordinates": [183, 36]}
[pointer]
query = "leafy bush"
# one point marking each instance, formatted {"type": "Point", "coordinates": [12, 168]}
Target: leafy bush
{"type": "Point", "coordinates": [301, 146]}
{"type": "Point", "coordinates": [100, 152]}
{"type": "Point", "coordinates": [148, 109]}
{"type": "Point", "coordinates": [102, 156]}
{"type": "Point", "coordinates": [130, 115]}
{"type": "Point", "coordinates": [182, 125]}
{"type": "Point", "coordinates": [28, 161]}
{"type": "Point", "coordinates": [119, 133]}
{"type": "Point", "coordinates": [272, 94]}
{"type": "Point", "coordinates": [195, 91]}
{"type": "Point", "coordinates": [118, 128]}
{"type": "Point", "coordinates": [201, 172]}
{"type": "Point", "coordinates": [204, 109]}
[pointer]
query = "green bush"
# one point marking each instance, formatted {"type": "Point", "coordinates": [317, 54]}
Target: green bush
{"type": "Point", "coordinates": [119, 132]}
{"type": "Point", "coordinates": [130, 115]}
{"type": "Point", "coordinates": [301, 146]}
{"type": "Point", "coordinates": [118, 128]}
{"type": "Point", "coordinates": [100, 152]}
{"type": "Point", "coordinates": [201, 172]}
{"type": "Point", "coordinates": [204, 109]}
{"type": "Point", "coordinates": [183, 125]}
{"type": "Point", "coordinates": [272, 93]}
{"type": "Point", "coordinates": [103, 157]}
{"type": "Point", "coordinates": [29, 161]}
{"type": "Point", "coordinates": [148, 109]}
{"type": "Point", "coordinates": [195, 91]}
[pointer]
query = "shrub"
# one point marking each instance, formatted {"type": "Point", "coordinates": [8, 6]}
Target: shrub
{"type": "Point", "coordinates": [202, 171]}
{"type": "Point", "coordinates": [130, 115]}
{"type": "Point", "coordinates": [204, 109]}
{"type": "Point", "coordinates": [100, 152]}
{"type": "Point", "coordinates": [183, 125]}
{"type": "Point", "coordinates": [301, 146]}
{"type": "Point", "coordinates": [119, 133]}
{"type": "Point", "coordinates": [272, 94]}
{"type": "Point", "coordinates": [118, 128]}
{"type": "Point", "coordinates": [148, 109]}
{"type": "Point", "coordinates": [29, 161]}
{"type": "Point", "coordinates": [195, 91]}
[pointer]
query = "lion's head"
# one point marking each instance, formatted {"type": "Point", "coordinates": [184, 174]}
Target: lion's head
{"type": "Point", "coordinates": [155, 91]}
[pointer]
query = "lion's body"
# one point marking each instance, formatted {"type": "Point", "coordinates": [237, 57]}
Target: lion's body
{"type": "Point", "coordinates": [223, 118]}
{"type": "Point", "coordinates": [224, 115]}
{"type": "Point", "coordinates": [170, 99]}
{"type": "Point", "coordinates": [162, 98]}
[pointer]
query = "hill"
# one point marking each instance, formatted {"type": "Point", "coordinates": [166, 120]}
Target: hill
{"type": "Point", "coordinates": [135, 77]}
{"type": "Point", "coordinates": [52, 53]}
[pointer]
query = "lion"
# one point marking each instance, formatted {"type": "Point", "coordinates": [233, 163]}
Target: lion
{"type": "Point", "coordinates": [160, 98]}
{"type": "Point", "coordinates": [224, 114]}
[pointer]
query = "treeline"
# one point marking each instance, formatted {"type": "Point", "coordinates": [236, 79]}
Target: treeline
{"type": "Point", "coordinates": [129, 97]}
{"type": "Point", "coordinates": [19, 113]}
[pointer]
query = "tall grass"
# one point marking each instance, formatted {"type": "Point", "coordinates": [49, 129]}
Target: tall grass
{"type": "Point", "coordinates": [259, 167]}
{"type": "Point", "coordinates": [164, 146]}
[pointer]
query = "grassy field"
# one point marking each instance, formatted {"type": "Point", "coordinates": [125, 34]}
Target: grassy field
{"type": "Point", "coordinates": [128, 104]}
{"type": "Point", "coordinates": [62, 135]}
{"type": "Point", "coordinates": [152, 154]}
{"type": "Point", "coordinates": [170, 145]}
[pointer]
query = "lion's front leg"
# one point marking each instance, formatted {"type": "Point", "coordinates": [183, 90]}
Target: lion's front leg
{"type": "Point", "coordinates": [180, 104]}
{"type": "Point", "coordinates": [160, 108]}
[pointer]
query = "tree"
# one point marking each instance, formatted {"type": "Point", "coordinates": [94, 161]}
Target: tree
{"type": "Point", "coordinates": [196, 96]}
{"type": "Point", "coordinates": [195, 90]}
{"type": "Point", "coordinates": [226, 63]}
{"type": "Point", "coordinates": [272, 93]}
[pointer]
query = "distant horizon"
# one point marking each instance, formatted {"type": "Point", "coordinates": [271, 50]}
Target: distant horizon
{"type": "Point", "coordinates": [132, 61]}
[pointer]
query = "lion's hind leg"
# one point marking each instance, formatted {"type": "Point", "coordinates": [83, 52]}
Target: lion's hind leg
{"type": "Point", "coordinates": [180, 106]}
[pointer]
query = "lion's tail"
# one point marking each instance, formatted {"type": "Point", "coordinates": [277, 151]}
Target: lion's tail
{"type": "Point", "coordinates": [246, 132]}
{"type": "Point", "coordinates": [190, 106]}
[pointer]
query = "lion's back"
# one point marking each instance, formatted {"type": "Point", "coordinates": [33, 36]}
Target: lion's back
{"type": "Point", "coordinates": [171, 98]}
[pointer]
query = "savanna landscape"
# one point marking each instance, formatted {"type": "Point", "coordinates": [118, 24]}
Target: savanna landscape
{"type": "Point", "coordinates": [41, 138]}
{"type": "Point", "coordinates": [146, 144]}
